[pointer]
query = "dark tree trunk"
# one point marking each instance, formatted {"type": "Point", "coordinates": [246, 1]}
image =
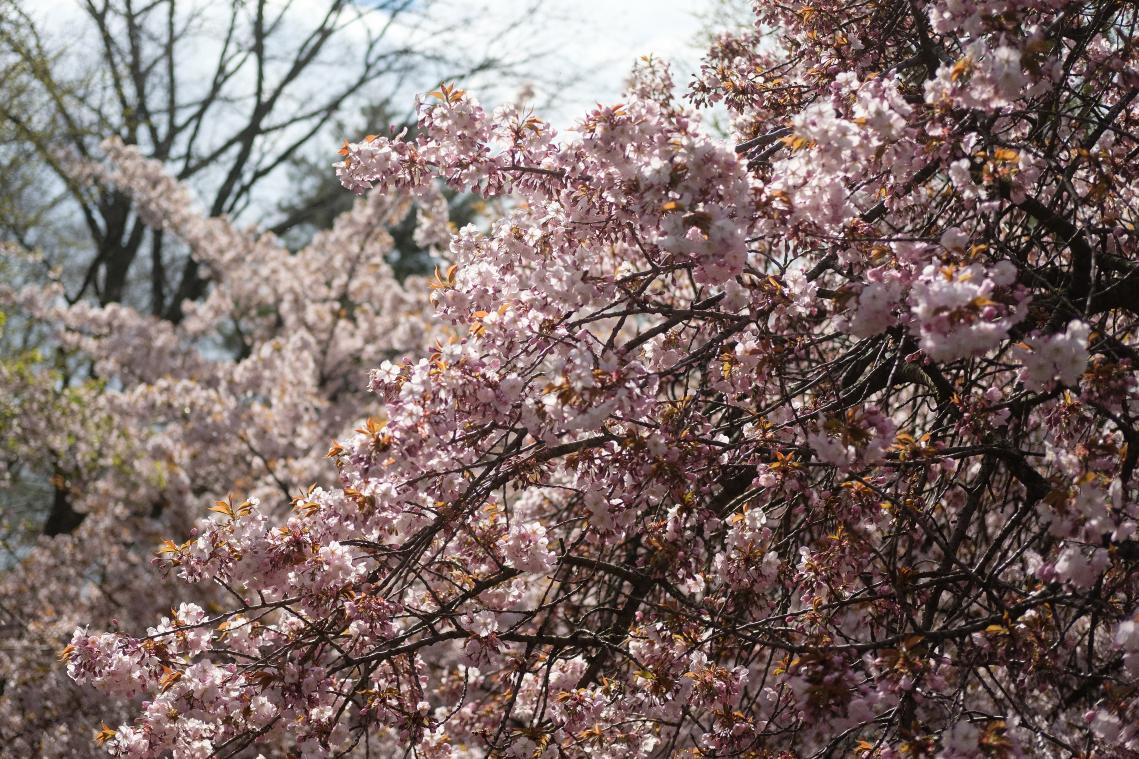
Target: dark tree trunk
{"type": "Point", "coordinates": [63, 519]}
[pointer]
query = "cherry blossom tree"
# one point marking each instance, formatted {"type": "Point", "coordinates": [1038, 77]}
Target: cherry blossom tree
{"type": "Point", "coordinates": [137, 420]}
{"type": "Point", "coordinates": [821, 443]}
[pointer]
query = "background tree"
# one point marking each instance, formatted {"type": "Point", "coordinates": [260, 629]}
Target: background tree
{"type": "Point", "coordinates": [224, 94]}
{"type": "Point", "coordinates": [229, 97]}
{"type": "Point", "coordinates": [124, 457]}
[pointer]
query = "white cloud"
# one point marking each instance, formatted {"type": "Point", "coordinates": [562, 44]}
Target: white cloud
{"type": "Point", "coordinates": [591, 44]}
